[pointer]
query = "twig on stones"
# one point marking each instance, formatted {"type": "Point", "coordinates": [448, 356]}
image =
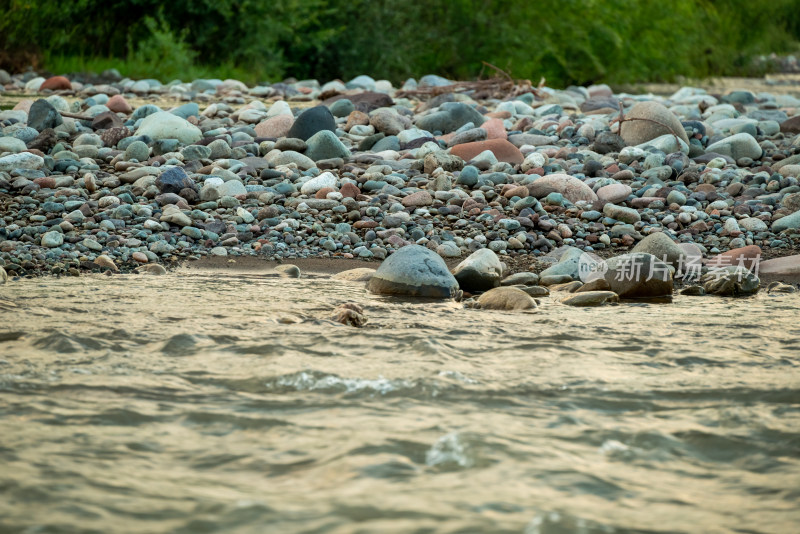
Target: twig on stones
{"type": "Point", "coordinates": [623, 118]}
{"type": "Point", "coordinates": [75, 116]}
{"type": "Point", "coordinates": [501, 86]}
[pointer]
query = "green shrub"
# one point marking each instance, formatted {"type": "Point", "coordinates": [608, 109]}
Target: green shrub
{"type": "Point", "coordinates": [571, 41]}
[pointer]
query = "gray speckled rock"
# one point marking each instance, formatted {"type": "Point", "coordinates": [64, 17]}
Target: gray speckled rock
{"type": "Point", "coordinates": [450, 117]}
{"type": "Point", "coordinates": [662, 247]}
{"type": "Point", "coordinates": [566, 266]}
{"type": "Point", "coordinates": [638, 275]}
{"type": "Point", "coordinates": [414, 271]}
{"type": "Point", "coordinates": [23, 160]}
{"type": "Point", "coordinates": [481, 271]}
{"type": "Point", "coordinates": [742, 145]}
{"type": "Point", "coordinates": [730, 281]}
{"type": "Point", "coordinates": [325, 145]}
{"type": "Point", "coordinates": [790, 222]}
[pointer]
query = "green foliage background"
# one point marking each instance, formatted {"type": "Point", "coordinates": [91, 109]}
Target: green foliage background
{"type": "Point", "coordinates": [565, 41]}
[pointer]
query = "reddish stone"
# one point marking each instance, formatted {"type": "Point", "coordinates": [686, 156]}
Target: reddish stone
{"type": "Point", "coordinates": [365, 224]}
{"type": "Point", "coordinates": [323, 193]}
{"type": "Point", "coordinates": [140, 257]}
{"type": "Point", "coordinates": [277, 126]}
{"type": "Point", "coordinates": [48, 182]}
{"type": "Point", "coordinates": [516, 191]}
{"type": "Point", "coordinates": [522, 125]}
{"type": "Point", "coordinates": [356, 118]}
{"type": "Point", "coordinates": [420, 198]}
{"type": "Point", "coordinates": [747, 257]}
{"type": "Point", "coordinates": [56, 83]}
{"type": "Point", "coordinates": [118, 104]}
{"type": "Point", "coordinates": [349, 190]}
{"type": "Point", "coordinates": [502, 149]}
{"type": "Point", "coordinates": [494, 129]}
{"type": "Point", "coordinates": [705, 188]}
{"type": "Point", "coordinates": [791, 125]}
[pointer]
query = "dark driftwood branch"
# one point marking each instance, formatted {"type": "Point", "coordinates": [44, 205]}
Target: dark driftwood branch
{"type": "Point", "coordinates": [497, 87]}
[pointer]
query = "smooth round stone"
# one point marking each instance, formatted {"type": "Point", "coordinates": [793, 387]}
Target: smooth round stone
{"type": "Point", "coordinates": [414, 271]}
{"type": "Point", "coordinates": [507, 299]}
{"type": "Point", "coordinates": [138, 151]}
{"type": "Point", "coordinates": [342, 108]}
{"type": "Point", "coordinates": [676, 197]}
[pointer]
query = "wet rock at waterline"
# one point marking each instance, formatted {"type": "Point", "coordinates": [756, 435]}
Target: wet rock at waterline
{"type": "Point", "coordinates": [414, 271]}
{"type": "Point", "coordinates": [481, 271]}
{"type": "Point", "coordinates": [507, 299]}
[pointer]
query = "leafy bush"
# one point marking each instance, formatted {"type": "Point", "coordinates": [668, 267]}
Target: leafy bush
{"type": "Point", "coordinates": [572, 41]}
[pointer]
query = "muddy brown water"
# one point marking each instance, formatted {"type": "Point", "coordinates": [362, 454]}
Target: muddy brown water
{"type": "Point", "coordinates": [223, 401]}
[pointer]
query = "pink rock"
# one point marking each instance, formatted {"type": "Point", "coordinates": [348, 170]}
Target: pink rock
{"type": "Point", "coordinates": [277, 126]}
{"type": "Point", "coordinates": [747, 257]}
{"type": "Point", "coordinates": [495, 129]}
{"type": "Point", "coordinates": [502, 150]}
{"type": "Point", "coordinates": [24, 105]}
{"type": "Point", "coordinates": [420, 198]}
{"type": "Point", "coordinates": [118, 104]}
{"type": "Point", "coordinates": [56, 83]}
{"type": "Point", "coordinates": [140, 257]}
{"type": "Point", "coordinates": [614, 193]}
{"type": "Point", "coordinates": [573, 189]}
{"type": "Point", "coordinates": [786, 266]}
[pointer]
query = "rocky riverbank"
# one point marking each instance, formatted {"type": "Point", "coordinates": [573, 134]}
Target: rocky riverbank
{"type": "Point", "coordinates": [128, 174]}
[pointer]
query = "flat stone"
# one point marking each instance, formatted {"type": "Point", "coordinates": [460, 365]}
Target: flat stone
{"type": "Point", "coordinates": [502, 149]}
{"type": "Point", "coordinates": [570, 187]}
{"type": "Point", "coordinates": [614, 193]}
{"type": "Point", "coordinates": [590, 298]}
{"type": "Point", "coordinates": [507, 299]}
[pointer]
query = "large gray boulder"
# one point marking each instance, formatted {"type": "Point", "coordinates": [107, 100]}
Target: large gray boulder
{"type": "Point", "coordinates": [414, 271]}
{"type": "Point", "coordinates": [638, 275]}
{"type": "Point", "coordinates": [650, 120]}
{"type": "Point", "coordinates": [481, 271]}
{"type": "Point", "coordinates": [662, 247]}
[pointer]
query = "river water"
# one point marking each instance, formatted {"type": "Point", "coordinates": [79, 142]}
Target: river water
{"type": "Point", "coordinates": [203, 401]}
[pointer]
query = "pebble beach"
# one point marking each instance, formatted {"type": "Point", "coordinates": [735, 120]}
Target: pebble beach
{"type": "Point", "coordinates": [121, 175]}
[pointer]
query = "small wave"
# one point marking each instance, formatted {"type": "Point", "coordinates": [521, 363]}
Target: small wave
{"type": "Point", "coordinates": [450, 452]}
{"type": "Point", "coordinates": [330, 383]}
